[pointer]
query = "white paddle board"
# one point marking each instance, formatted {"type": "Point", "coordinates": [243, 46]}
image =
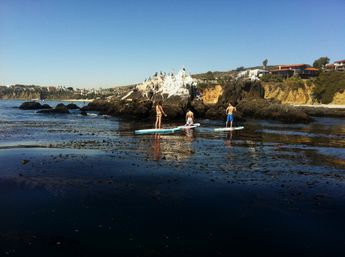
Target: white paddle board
{"type": "Point", "coordinates": [228, 129]}
{"type": "Point", "coordinates": [189, 126]}
{"type": "Point", "coordinates": [156, 131]}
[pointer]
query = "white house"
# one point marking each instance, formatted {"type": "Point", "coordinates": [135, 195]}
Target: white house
{"type": "Point", "coordinates": [253, 75]}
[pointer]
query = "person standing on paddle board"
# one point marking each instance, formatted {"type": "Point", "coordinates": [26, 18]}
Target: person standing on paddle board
{"type": "Point", "coordinates": [189, 118]}
{"type": "Point", "coordinates": [159, 112]}
{"type": "Point", "coordinates": [229, 115]}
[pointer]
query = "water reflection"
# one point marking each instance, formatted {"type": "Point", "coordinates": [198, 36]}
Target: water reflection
{"type": "Point", "coordinates": [228, 139]}
{"type": "Point", "coordinates": [189, 134]}
{"type": "Point", "coordinates": [157, 147]}
{"type": "Point", "coordinates": [168, 147]}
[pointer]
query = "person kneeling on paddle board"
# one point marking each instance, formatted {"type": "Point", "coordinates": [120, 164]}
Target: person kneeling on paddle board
{"type": "Point", "coordinates": [189, 118]}
{"type": "Point", "coordinates": [159, 112]}
{"type": "Point", "coordinates": [229, 112]}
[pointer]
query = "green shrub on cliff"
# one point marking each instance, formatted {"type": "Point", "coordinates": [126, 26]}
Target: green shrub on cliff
{"type": "Point", "coordinates": [271, 78]}
{"type": "Point", "coordinates": [294, 83]}
{"type": "Point", "coordinates": [327, 84]}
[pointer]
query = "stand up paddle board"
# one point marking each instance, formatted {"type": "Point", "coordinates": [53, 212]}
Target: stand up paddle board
{"type": "Point", "coordinates": [189, 126]}
{"type": "Point", "coordinates": [228, 129]}
{"type": "Point", "coordinates": [156, 131]}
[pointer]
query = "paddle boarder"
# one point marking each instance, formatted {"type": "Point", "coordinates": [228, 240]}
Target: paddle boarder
{"type": "Point", "coordinates": [159, 112]}
{"type": "Point", "coordinates": [189, 118]}
{"type": "Point", "coordinates": [229, 115]}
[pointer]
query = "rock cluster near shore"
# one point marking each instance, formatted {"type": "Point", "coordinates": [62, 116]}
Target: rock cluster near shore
{"type": "Point", "coordinates": [248, 96]}
{"type": "Point", "coordinates": [47, 109]}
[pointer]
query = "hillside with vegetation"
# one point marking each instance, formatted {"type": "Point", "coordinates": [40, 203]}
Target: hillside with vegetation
{"type": "Point", "coordinates": [328, 85]}
{"type": "Point", "coordinates": [327, 88]}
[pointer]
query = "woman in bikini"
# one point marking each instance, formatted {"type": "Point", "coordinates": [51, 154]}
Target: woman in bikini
{"type": "Point", "coordinates": [159, 112]}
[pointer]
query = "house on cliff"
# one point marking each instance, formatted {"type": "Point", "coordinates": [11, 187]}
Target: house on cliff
{"type": "Point", "coordinates": [252, 74]}
{"type": "Point", "coordinates": [340, 65]}
{"type": "Point", "coordinates": [301, 70]}
{"type": "Point", "coordinates": [337, 65]}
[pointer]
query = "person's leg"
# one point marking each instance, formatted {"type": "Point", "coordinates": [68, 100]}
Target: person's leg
{"type": "Point", "coordinates": [159, 122]}
{"type": "Point", "coordinates": [156, 124]}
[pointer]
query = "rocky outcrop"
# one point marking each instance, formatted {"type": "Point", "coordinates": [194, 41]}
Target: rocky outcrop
{"type": "Point", "coordinates": [59, 109]}
{"type": "Point", "coordinates": [129, 109]}
{"type": "Point", "coordinates": [33, 106]}
{"type": "Point", "coordinates": [339, 98]}
{"type": "Point", "coordinates": [46, 106]}
{"type": "Point", "coordinates": [247, 94]}
{"type": "Point", "coordinates": [264, 109]}
{"type": "Point", "coordinates": [30, 106]}
{"type": "Point", "coordinates": [236, 90]}
{"type": "Point", "coordinates": [72, 106]}
{"type": "Point", "coordinates": [167, 85]}
{"type": "Point", "coordinates": [198, 107]}
{"type": "Point", "coordinates": [323, 112]}
{"type": "Point", "coordinates": [98, 105]}
{"type": "Point", "coordinates": [211, 95]}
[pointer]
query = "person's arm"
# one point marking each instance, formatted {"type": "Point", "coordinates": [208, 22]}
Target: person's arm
{"type": "Point", "coordinates": [226, 111]}
{"type": "Point", "coordinates": [161, 108]}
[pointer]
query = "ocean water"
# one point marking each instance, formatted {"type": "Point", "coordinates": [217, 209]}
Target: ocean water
{"type": "Point", "coordinates": [80, 186]}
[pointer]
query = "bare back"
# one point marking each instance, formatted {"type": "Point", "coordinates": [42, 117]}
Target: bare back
{"type": "Point", "coordinates": [189, 115]}
{"type": "Point", "coordinates": [230, 110]}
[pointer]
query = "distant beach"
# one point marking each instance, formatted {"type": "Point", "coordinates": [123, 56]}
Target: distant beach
{"type": "Point", "coordinates": [331, 106]}
{"type": "Point", "coordinates": [77, 100]}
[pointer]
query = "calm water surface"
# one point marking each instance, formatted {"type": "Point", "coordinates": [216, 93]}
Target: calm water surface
{"type": "Point", "coordinates": [86, 186]}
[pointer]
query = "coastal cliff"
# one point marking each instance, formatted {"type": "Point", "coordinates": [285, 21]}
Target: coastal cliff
{"type": "Point", "coordinates": [287, 94]}
{"type": "Point", "coordinates": [339, 98]}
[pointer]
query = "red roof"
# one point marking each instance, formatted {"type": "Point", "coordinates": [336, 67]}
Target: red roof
{"type": "Point", "coordinates": [292, 65]}
{"type": "Point", "coordinates": [281, 70]}
{"type": "Point", "coordinates": [340, 61]}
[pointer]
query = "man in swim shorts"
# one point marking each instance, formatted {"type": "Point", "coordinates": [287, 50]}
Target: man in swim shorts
{"type": "Point", "coordinates": [229, 112]}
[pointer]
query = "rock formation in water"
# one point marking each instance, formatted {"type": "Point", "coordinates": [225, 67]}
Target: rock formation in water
{"type": "Point", "coordinates": [180, 92]}
{"type": "Point", "coordinates": [59, 109]}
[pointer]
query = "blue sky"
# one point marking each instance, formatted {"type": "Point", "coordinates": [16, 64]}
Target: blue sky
{"type": "Point", "coordinates": [83, 43]}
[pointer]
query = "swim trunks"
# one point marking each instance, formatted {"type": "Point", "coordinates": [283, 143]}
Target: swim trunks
{"type": "Point", "coordinates": [189, 121]}
{"type": "Point", "coordinates": [229, 118]}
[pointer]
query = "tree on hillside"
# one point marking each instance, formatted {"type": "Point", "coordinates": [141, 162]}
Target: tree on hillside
{"type": "Point", "coordinates": [240, 68]}
{"type": "Point", "coordinates": [209, 75]}
{"type": "Point", "coordinates": [264, 63]}
{"type": "Point", "coordinates": [321, 62]}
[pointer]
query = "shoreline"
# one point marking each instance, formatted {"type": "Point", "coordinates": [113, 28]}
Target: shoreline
{"type": "Point", "coordinates": [330, 106]}
{"type": "Point", "coordinates": [79, 100]}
